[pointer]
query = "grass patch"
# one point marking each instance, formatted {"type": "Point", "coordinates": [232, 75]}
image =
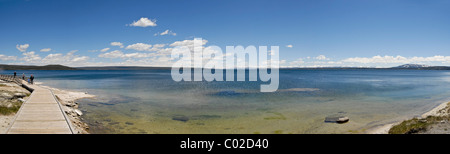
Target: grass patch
{"type": "Point", "coordinates": [415, 125]}
{"type": "Point", "coordinates": [278, 132]}
{"type": "Point", "coordinates": [10, 110]}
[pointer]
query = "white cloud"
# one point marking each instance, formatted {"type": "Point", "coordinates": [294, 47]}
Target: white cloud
{"type": "Point", "coordinates": [104, 49]}
{"type": "Point", "coordinates": [146, 47]}
{"type": "Point", "coordinates": [117, 44]}
{"type": "Point", "coordinates": [377, 59]}
{"type": "Point", "coordinates": [322, 57]}
{"type": "Point", "coordinates": [297, 63]}
{"type": "Point", "coordinates": [112, 54]}
{"type": "Point", "coordinates": [22, 48]}
{"type": "Point", "coordinates": [46, 50]}
{"type": "Point", "coordinates": [139, 47]}
{"type": "Point", "coordinates": [143, 22]}
{"type": "Point", "coordinates": [398, 59]}
{"type": "Point", "coordinates": [80, 59]}
{"type": "Point", "coordinates": [158, 45]}
{"type": "Point", "coordinates": [167, 32]}
{"type": "Point", "coordinates": [188, 43]}
{"type": "Point", "coordinates": [120, 54]}
{"type": "Point", "coordinates": [68, 59]}
{"type": "Point", "coordinates": [7, 58]}
{"type": "Point", "coordinates": [31, 57]}
{"type": "Point", "coordinates": [289, 46]}
{"type": "Point", "coordinates": [138, 55]}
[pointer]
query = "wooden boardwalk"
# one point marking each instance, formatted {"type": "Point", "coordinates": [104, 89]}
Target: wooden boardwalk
{"type": "Point", "coordinates": [40, 114]}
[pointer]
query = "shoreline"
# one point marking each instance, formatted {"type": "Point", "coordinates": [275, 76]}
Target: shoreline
{"type": "Point", "coordinates": [435, 111]}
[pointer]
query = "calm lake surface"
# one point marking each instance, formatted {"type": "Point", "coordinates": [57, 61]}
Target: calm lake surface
{"type": "Point", "coordinates": [149, 101]}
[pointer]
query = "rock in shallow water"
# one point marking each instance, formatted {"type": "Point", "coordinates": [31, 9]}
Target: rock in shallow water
{"type": "Point", "coordinates": [180, 118]}
{"type": "Point", "coordinates": [342, 120]}
{"type": "Point", "coordinates": [337, 119]}
{"type": "Point", "coordinates": [78, 112]}
{"type": "Point", "coordinates": [227, 93]}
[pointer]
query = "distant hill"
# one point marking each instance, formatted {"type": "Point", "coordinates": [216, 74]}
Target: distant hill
{"type": "Point", "coordinates": [123, 68]}
{"type": "Point", "coordinates": [414, 66]}
{"type": "Point", "coordinates": [30, 67]}
{"type": "Point", "coordinates": [421, 67]}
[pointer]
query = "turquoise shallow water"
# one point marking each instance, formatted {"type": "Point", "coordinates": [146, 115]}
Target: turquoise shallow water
{"type": "Point", "coordinates": [150, 101]}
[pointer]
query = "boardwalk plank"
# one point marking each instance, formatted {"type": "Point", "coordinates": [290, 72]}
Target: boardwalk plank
{"type": "Point", "coordinates": [40, 114]}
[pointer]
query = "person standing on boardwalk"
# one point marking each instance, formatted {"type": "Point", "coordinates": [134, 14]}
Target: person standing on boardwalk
{"type": "Point", "coordinates": [15, 74]}
{"type": "Point", "coordinates": [31, 78]}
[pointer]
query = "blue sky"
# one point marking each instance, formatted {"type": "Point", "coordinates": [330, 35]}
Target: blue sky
{"type": "Point", "coordinates": [370, 33]}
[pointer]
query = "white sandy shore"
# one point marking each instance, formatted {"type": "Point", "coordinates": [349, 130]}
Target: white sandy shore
{"type": "Point", "coordinates": [385, 128]}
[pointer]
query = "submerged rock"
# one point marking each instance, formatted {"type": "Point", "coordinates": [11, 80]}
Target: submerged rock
{"type": "Point", "coordinates": [78, 112]}
{"type": "Point", "coordinates": [180, 118]}
{"type": "Point", "coordinates": [342, 120]}
{"type": "Point", "coordinates": [71, 104]}
{"type": "Point", "coordinates": [227, 93]}
{"type": "Point", "coordinates": [337, 119]}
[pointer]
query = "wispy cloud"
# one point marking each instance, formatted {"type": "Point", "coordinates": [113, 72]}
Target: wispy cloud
{"type": "Point", "coordinates": [139, 47]}
{"type": "Point", "coordinates": [7, 58]}
{"type": "Point", "coordinates": [104, 49]}
{"type": "Point", "coordinates": [112, 54]}
{"type": "Point", "coordinates": [322, 57]}
{"type": "Point", "coordinates": [46, 50]}
{"type": "Point", "coordinates": [31, 57]}
{"type": "Point", "coordinates": [22, 48]}
{"type": "Point", "coordinates": [167, 32]}
{"type": "Point", "coordinates": [117, 44]}
{"type": "Point", "coordinates": [397, 59]}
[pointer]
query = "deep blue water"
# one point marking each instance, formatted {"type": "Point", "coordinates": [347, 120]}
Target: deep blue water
{"type": "Point", "coordinates": [146, 101]}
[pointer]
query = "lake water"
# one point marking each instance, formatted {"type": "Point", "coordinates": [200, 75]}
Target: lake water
{"type": "Point", "coordinates": [149, 101]}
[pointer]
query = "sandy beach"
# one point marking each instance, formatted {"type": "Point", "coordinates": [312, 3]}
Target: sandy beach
{"type": "Point", "coordinates": [65, 97]}
{"type": "Point", "coordinates": [437, 128]}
